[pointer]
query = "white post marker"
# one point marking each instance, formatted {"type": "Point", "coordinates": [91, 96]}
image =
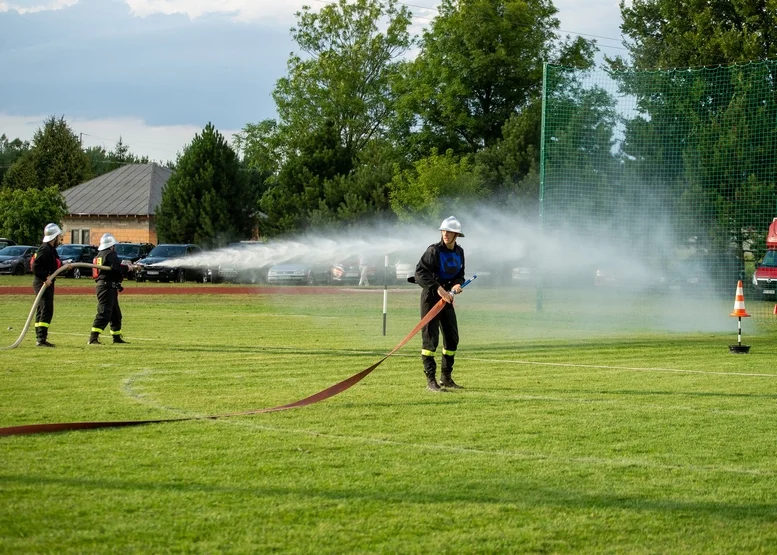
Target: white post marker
{"type": "Point", "coordinates": [385, 292]}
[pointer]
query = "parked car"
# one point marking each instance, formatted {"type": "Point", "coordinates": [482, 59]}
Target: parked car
{"type": "Point", "coordinates": [524, 274]}
{"type": "Point", "coordinates": [348, 272]}
{"type": "Point", "coordinates": [765, 276]}
{"type": "Point", "coordinates": [403, 270]}
{"type": "Point", "coordinates": [706, 273]}
{"type": "Point", "coordinates": [149, 268]}
{"type": "Point", "coordinates": [77, 253]}
{"type": "Point", "coordinates": [15, 259]}
{"type": "Point", "coordinates": [233, 270]}
{"type": "Point", "coordinates": [627, 275]}
{"type": "Point", "coordinates": [6, 242]}
{"type": "Point", "coordinates": [129, 253]}
{"type": "Point", "coordinates": [298, 272]}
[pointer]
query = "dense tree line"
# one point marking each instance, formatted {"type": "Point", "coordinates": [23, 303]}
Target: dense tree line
{"type": "Point", "coordinates": [366, 132]}
{"type": "Point", "coordinates": [374, 123]}
{"type": "Point", "coordinates": [34, 174]}
{"type": "Point", "coordinates": [717, 126]}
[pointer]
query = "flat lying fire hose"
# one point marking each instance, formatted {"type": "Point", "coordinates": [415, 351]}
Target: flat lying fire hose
{"type": "Point", "coordinates": [61, 269]}
{"type": "Point", "coordinates": [315, 398]}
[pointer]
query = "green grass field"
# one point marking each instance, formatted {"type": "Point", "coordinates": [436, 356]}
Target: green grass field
{"type": "Point", "coordinates": [578, 431]}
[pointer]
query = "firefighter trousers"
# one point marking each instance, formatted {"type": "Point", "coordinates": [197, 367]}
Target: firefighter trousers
{"type": "Point", "coordinates": [108, 310]}
{"type": "Point", "coordinates": [430, 337]}
{"type": "Point", "coordinates": [45, 312]}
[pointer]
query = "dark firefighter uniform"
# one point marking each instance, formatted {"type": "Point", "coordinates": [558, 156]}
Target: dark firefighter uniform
{"type": "Point", "coordinates": [45, 262]}
{"type": "Point", "coordinates": [439, 266]}
{"type": "Point", "coordinates": [108, 287]}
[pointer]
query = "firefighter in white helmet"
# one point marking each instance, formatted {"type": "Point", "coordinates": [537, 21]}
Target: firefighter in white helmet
{"type": "Point", "coordinates": [45, 262]}
{"type": "Point", "coordinates": [108, 288]}
{"type": "Point", "coordinates": [440, 273]}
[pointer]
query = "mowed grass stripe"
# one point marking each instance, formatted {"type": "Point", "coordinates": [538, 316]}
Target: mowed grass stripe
{"type": "Point", "coordinates": [560, 452]}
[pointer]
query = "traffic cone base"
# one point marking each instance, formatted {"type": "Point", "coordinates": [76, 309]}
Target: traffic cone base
{"type": "Point", "coordinates": [739, 302]}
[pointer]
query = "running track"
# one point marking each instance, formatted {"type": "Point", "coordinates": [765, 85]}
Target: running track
{"type": "Point", "coordinates": [202, 290]}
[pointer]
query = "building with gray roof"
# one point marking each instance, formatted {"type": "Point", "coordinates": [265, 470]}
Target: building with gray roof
{"type": "Point", "coordinates": [121, 202]}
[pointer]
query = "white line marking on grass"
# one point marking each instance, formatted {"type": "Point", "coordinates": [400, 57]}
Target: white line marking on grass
{"type": "Point", "coordinates": [606, 367]}
{"type": "Point", "coordinates": [127, 389]}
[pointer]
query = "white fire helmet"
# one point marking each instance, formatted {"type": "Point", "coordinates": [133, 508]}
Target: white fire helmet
{"type": "Point", "coordinates": [50, 232]}
{"type": "Point", "coordinates": [107, 241]}
{"type": "Point", "coordinates": [451, 224]}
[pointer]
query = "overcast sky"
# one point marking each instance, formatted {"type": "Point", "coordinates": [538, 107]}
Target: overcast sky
{"type": "Point", "coordinates": [155, 72]}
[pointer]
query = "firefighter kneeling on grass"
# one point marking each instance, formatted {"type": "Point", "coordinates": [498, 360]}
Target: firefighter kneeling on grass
{"type": "Point", "coordinates": [108, 288]}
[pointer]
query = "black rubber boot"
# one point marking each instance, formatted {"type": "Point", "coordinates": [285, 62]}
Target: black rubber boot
{"type": "Point", "coordinates": [447, 369]}
{"type": "Point", "coordinates": [432, 385]}
{"type": "Point", "coordinates": [447, 381]}
{"type": "Point", "coordinates": [94, 338]}
{"type": "Point", "coordinates": [430, 370]}
{"type": "Point", "coordinates": [119, 339]}
{"type": "Point", "coordinates": [42, 334]}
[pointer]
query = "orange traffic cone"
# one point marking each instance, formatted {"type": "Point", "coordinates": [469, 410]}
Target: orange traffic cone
{"type": "Point", "coordinates": [739, 302]}
{"type": "Point", "coordinates": [775, 310]}
{"type": "Point", "coordinates": [739, 312]}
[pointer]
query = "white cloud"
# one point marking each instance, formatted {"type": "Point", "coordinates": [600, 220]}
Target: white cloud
{"type": "Point", "coordinates": [282, 11]}
{"type": "Point", "coordinates": [52, 72]}
{"type": "Point", "coordinates": [245, 9]}
{"type": "Point", "coordinates": [159, 142]}
{"type": "Point", "coordinates": [36, 7]}
{"type": "Point", "coordinates": [250, 10]}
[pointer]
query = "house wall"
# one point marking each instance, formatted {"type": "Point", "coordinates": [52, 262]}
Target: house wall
{"type": "Point", "coordinates": [131, 229]}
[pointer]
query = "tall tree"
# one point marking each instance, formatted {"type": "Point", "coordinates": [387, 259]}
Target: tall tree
{"type": "Point", "coordinates": [24, 213]}
{"type": "Point", "coordinates": [708, 136]}
{"type": "Point", "coordinates": [206, 200]}
{"type": "Point", "coordinates": [436, 185]}
{"type": "Point", "coordinates": [303, 184]}
{"type": "Point", "coordinates": [55, 159]}
{"type": "Point", "coordinates": [480, 63]}
{"type": "Point", "coordinates": [10, 151]}
{"type": "Point", "coordinates": [510, 167]}
{"type": "Point", "coordinates": [101, 162]}
{"type": "Point", "coordinates": [58, 157]}
{"type": "Point", "coordinates": [693, 33]}
{"type": "Point", "coordinates": [259, 146]}
{"type": "Point", "coordinates": [351, 52]}
{"type": "Point", "coordinates": [21, 174]}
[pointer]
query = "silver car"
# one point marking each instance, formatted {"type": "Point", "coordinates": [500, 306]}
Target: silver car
{"type": "Point", "coordinates": [298, 273]}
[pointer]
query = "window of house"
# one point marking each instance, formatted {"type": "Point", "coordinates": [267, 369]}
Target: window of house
{"type": "Point", "coordinates": [79, 236]}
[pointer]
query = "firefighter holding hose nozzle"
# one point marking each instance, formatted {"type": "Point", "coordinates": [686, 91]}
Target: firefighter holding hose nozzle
{"type": "Point", "coordinates": [45, 262]}
{"type": "Point", "coordinates": [440, 273]}
{"type": "Point", "coordinates": [108, 286]}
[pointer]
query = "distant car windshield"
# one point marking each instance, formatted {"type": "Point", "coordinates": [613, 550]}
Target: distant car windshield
{"type": "Point", "coordinates": [168, 251]}
{"type": "Point", "coordinates": [770, 260]}
{"type": "Point", "coordinates": [127, 250]}
{"type": "Point", "coordinates": [69, 250]}
{"type": "Point", "coordinates": [12, 251]}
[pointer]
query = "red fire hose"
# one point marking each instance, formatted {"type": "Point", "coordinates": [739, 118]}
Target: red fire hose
{"type": "Point", "coordinates": [331, 391]}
